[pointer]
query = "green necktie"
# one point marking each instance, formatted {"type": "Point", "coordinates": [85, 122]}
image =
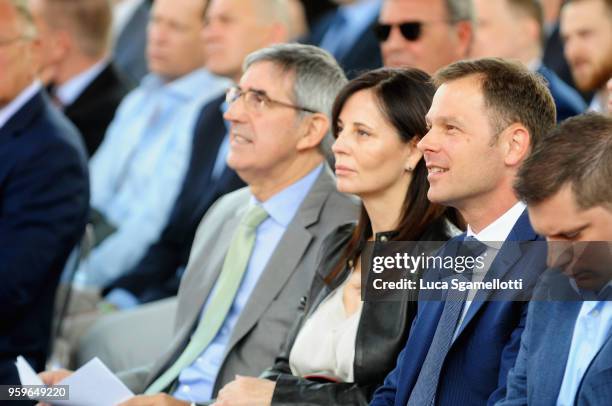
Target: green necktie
{"type": "Point", "coordinates": [235, 264]}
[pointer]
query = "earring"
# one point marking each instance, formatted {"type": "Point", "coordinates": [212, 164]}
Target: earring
{"type": "Point", "coordinates": [409, 169]}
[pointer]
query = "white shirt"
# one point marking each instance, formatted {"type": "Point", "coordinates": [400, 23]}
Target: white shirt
{"type": "Point", "coordinates": [493, 237]}
{"type": "Point", "coordinates": [325, 345]}
{"type": "Point", "coordinates": [18, 102]}
{"type": "Point", "coordinates": [68, 92]}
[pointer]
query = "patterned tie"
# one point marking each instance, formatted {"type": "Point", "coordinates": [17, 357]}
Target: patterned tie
{"type": "Point", "coordinates": [236, 261]}
{"type": "Point", "coordinates": [424, 391]}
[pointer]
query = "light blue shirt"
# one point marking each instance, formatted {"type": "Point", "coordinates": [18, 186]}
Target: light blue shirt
{"type": "Point", "coordinates": [592, 328]}
{"type": "Point", "coordinates": [220, 160]}
{"type": "Point", "coordinates": [137, 172]}
{"type": "Point", "coordinates": [357, 19]}
{"type": "Point", "coordinates": [196, 381]}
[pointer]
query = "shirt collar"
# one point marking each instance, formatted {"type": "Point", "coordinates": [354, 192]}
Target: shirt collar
{"type": "Point", "coordinates": [282, 206]}
{"type": "Point", "coordinates": [499, 230]}
{"type": "Point", "coordinates": [185, 87]}
{"type": "Point", "coordinates": [535, 64]}
{"type": "Point", "coordinates": [18, 102]}
{"type": "Point", "coordinates": [597, 105]}
{"type": "Point", "coordinates": [72, 89]}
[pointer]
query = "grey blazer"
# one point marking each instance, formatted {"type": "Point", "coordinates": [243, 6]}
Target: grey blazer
{"type": "Point", "coordinates": [273, 305]}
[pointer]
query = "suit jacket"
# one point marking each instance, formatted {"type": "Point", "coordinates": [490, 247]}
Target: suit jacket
{"type": "Point", "coordinates": [44, 201]}
{"type": "Point", "coordinates": [567, 100]}
{"type": "Point", "coordinates": [476, 366]}
{"type": "Point", "coordinates": [155, 277]}
{"type": "Point", "coordinates": [130, 48]}
{"type": "Point", "coordinates": [95, 108]}
{"type": "Point", "coordinates": [364, 55]}
{"type": "Point", "coordinates": [545, 346]}
{"type": "Point", "coordinates": [273, 306]}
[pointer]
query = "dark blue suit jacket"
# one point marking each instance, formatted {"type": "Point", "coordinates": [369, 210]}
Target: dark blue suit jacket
{"type": "Point", "coordinates": [155, 276]}
{"type": "Point", "coordinates": [567, 100]}
{"type": "Point", "coordinates": [537, 376]}
{"type": "Point", "coordinates": [475, 368]}
{"type": "Point", "coordinates": [364, 55]}
{"type": "Point", "coordinates": [44, 203]}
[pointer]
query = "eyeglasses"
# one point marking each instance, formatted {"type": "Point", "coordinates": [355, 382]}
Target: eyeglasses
{"type": "Point", "coordinates": [256, 100]}
{"type": "Point", "coordinates": [411, 30]}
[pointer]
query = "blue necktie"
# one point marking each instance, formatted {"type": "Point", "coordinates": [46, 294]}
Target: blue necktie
{"type": "Point", "coordinates": [424, 391]}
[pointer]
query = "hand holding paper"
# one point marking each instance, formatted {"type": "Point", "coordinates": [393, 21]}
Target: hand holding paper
{"type": "Point", "coordinates": [91, 385]}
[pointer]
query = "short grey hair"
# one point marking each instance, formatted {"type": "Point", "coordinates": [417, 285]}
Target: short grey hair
{"type": "Point", "coordinates": [318, 78]}
{"type": "Point", "coordinates": [24, 14]}
{"type": "Point", "coordinates": [461, 10]}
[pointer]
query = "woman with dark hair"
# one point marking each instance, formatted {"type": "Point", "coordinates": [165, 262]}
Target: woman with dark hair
{"type": "Point", "coordinates": [341, 349]}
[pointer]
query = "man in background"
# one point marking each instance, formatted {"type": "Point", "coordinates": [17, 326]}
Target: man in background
{"type": "Point", "coordinates": [425, 34]}
{"type": "Point", "coordinates": [586, 29]}
{"type": "Point", "coordinates": [514, 29]}
{"type": "Point", "coordinates": [76, 67]}
{"type": "Point", "coordinates": [44, 194]}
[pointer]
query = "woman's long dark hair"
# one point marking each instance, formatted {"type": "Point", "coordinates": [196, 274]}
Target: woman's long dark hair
{"type": "Point", "coordinates": [404, 97]}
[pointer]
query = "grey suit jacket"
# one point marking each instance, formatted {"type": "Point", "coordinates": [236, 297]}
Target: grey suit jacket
{"type": "Point", "coordinates": [273, 305]}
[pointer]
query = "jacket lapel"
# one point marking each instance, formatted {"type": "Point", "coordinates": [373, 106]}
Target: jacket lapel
{"type": "Point", "coordinates": [506, 258]}
{"type": "Point", "coordinates": [285, 259]}
{"type": "Point", "coordinates": [196, 293]}
{"type": "Point", "coordinates": [24, 116]}
{"type": "Point", "coordinates": [562, 326]}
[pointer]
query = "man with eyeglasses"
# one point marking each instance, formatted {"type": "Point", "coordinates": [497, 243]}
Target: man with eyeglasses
{"type": "Point", "coordinates": [44, 195]}
{"type": "Point", "coordinates": [232, 30]}
{"type": "Point", "coordinates": [425, 34]}
{"type": "Point", "coordinates": [255, 250]}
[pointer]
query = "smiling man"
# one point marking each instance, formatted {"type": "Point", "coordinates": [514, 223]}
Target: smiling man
{"type": "Point", "coordinates": [485, 117]}
{"type": "Point", "coordinates": [566, 184]}
{"type": "Point", "coordinates": [254, 252]}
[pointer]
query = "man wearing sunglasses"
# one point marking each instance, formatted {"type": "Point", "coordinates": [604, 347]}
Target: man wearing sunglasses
{"type": "Point", "coordinates": [425, 34]}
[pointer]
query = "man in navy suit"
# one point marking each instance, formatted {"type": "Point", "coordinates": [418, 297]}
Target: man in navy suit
{"type": "Point", "coordinates": [346, 33]}
{"type": "Point", "coordinates": [485, 117]}
{"type": "Point", "coordinates": [565, 356]}
{"type": "Point", "coordinates": [44, 196]}
{"type": "Point", "coordinates": [515, 30]}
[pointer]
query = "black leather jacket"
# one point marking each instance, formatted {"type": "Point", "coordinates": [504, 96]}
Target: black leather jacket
{"type": "Point", "coordinates": [381, 334]}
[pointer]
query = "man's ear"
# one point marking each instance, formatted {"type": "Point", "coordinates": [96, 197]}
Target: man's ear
{"type": "Point", "coordinates": [316, 126]}
{"type": "Point", "coordinates": [465, 38]}
{"type": "Point", "coordinates": [516, 144]}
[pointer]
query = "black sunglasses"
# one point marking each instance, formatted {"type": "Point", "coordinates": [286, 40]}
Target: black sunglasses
{"type": "Point", "coordinates": [410, 30]}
